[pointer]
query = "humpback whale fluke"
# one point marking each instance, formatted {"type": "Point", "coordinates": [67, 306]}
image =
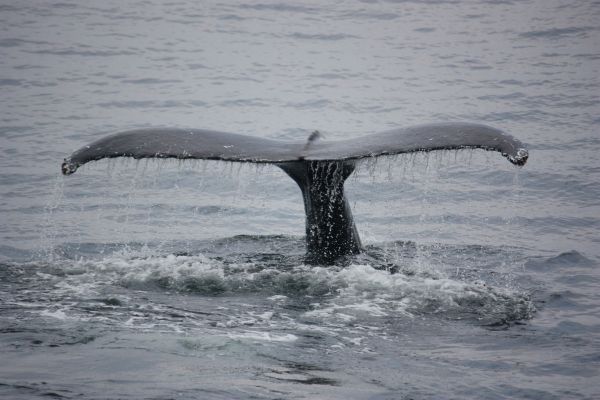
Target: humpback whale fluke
{"type": "Point", "coordinates": [320, 168]}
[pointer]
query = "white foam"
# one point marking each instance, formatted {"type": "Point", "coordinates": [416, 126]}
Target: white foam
{"type": "Point", "coordinates": [342, 295]}
{"type": "Point", "coordinates": [365, 292]}
{"type": "Point", "coordinates": [263, 336]}
{"type": "Point", "coordinates": [278, 297]}
{"type": "Point", "coordinates": [58, 314]}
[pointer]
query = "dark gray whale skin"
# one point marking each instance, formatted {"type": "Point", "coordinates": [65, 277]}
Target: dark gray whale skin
{"type": "Point", "coordinates": [318, 167]}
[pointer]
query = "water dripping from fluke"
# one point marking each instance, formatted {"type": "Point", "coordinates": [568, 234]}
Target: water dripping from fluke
{"type": "Point", "coordinates": [320, 168]}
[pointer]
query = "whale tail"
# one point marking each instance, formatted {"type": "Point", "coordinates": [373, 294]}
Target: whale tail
{"type": "Point", "coordinates": [320, 168]}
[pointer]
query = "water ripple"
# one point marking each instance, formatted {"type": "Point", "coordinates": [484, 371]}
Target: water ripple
{"type": "Point", "coordinates": [559, 32]}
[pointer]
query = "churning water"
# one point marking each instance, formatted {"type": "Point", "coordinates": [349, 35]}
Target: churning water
{"type": "Point", "coordinates": [165, 279]}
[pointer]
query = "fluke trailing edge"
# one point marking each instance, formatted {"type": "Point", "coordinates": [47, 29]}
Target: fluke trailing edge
{"type": "Point", "coordinates": [320, 168]}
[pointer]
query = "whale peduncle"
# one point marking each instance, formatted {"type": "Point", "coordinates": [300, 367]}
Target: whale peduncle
{"type": "Point", "coordinates": [330, 229]}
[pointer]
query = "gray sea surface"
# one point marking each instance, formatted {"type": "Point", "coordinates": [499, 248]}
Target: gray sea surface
{"type": "Point", "coordinates": [186, 279]}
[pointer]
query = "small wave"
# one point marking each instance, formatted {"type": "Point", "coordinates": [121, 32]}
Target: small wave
{"type": "Point", "coordinates": [11, 82]}
{"type": "Point", "coordinates": [263, 336]}
{"type": "Point", "coordinates": [368, 14]}
{"type": "Point", "coordinates": [16, 42]}
{"type": "Point", "coordinates": [310, 104]}
{"type": "Point", "coordinates": [150, 81]}
{"type": "Point", "coordinates": [558, 32]}
{"type": "Point", "coordinates": [321, 36]}
{"type": "Point", "coordinates": [84, 53]}
{"type": "Point", "coordinates": [58, 314]}
{"type": "Point", "coordinates": [563, 260]}
{"type": "Point", "coordinates": [21, 391]}
{"type": "Point", "coordinates": [425, 30]}
{"type": "Point", "coordinates": [243, 103]}
{"type": "Point", "coordinates": [143, 104]}
{"type": "Point", "coordinates": [280, 7]}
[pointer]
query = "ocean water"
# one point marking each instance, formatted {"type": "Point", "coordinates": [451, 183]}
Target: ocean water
{"type": "Point", "coordinates": [186, 280]}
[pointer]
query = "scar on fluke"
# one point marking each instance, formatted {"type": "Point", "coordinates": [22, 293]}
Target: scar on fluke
{"type": "Point", "coordinates": [319, 167]}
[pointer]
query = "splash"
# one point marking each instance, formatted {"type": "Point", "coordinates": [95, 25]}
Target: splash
{"type": "Point", "coordinates": [356, 294]}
